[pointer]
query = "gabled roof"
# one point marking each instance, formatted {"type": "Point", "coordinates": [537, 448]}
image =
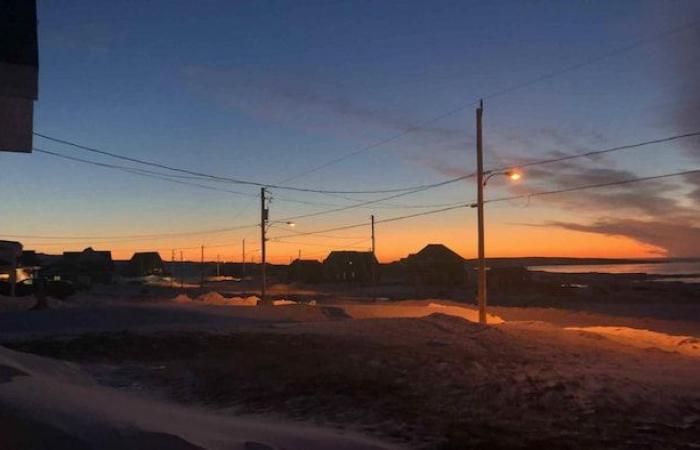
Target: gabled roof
{"type": "Point", "coordinates": [306, 262]}
{"type": "Point", "coordinates": [435, 252]}
{"type": "Point", "coordinates": [88, 256]}
{"type": "Point", "coordinates": [155, 256]}
{"type": "Point", "coordinates": [349, 255]}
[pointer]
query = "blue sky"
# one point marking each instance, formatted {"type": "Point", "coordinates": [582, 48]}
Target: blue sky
{"type": "Point", "coordinates": [266, 90]}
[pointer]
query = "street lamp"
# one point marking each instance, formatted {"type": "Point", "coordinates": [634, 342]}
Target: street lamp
{"type": "Point", "coordinates": [482, 179]}
{"type": "Point", "coordinates": [264, 226]}
{"type": "Point", "coordinates": [512, 175]}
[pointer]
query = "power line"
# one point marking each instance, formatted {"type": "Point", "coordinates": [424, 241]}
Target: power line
{"type": "Point", "coordinates": [401, 191]}
{"type": "Point", "coordinates": [134, 236]}
{"type": "Point", "coordinates": [364, 224]}
{"type": "Point", "coordinates": [440, 210]}
{"type": "Point", "coordinates": [353, 244]}
{"type": "Point", "coordinates": [502, 199]}
{"type": "Point", "coordinates": [370, 202]}
{"type": "Point", "coordinates": [600, 152]}
{"type": "Point", "coordinates": [228, 179]}
{"type": "Point", "coordinates": [167, 177]}
{"type": "Point", "coordinates": [498, 93]}
{"type": "Point", "coordinates": [592, 186]}
{"type": "Point", "coordinates": [527, 164]}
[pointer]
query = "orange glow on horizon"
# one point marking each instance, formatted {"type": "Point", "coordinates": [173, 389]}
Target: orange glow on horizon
{"type": "Point", "coordinates": [502, 241]}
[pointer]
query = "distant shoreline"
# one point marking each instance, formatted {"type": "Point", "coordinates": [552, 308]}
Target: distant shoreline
{"type": "Point", "coordinates": [571, 261]}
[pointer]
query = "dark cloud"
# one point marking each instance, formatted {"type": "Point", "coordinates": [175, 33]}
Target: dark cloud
{"type": "Point", "coordinates": [307, 101]}
{"type": "Point", "coordinates": [651, 212]}
{"type": "Point", "coordinates": [675, 238]}
{"type": "Point", "coordinates": [655, 213]}
{"type": "Point", "coordinates": [694, 181]}
{"type": "Point", "coordinates": [649, 199]}
{"type": "Point", "coordinates": [683, 56]}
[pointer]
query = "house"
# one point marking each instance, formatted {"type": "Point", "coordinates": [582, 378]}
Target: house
{"type": "Point", "coordinates": [348, 265]}
{"type": "Point", "coordinates": [84, 267]}
{"type": "Point", "coordinates": [10, 252]}
{"type": "Point", "coordinates": [145, 263]}
{"type": "Point", "coordinates": [305, 271]}
{"type": "Point", "coordinates": [436, 264]}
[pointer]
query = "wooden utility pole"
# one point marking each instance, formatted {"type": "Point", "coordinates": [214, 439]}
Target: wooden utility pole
{"type": "Point", "coordinates": [201, 269]}
{"type": "Point", "coordinates": [218, 265]}
{"type": "Point", "coordinates": [172, 267]}
{"type": "Point", "coordinates": [263, 242]}
{"type": "Point", "coordinates": [243, 267]}
{"type": "Point", "coordinates": [481, 293]}
{"type": "Point", "coordinates": [374, 254]}
{"type": "Point", "coordinates": [182, 271]}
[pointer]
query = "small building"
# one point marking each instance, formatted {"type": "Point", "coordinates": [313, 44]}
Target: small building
{"type": "Point", "coordinates": [10, 253]}
{"type": "Point", "coordinates": [145, 263]}
{"type": "Point", "coordinates": [353, 266]}
{"type": "Point", "coordinates": [436, 264]}
{"type": "Point", "coordinates": [305, 271]}
{"type": "Point", "coordinates": [85, 267]}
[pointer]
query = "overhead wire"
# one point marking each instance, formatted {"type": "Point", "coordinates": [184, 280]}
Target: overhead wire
{"type": "Point", "coordinates": [498, 93]}
{"type": "Point", "coordinates": [229, 179]}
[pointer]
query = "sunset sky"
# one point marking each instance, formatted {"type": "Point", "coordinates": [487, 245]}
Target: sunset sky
{"type": "Point", "coordinates": [267, 90]}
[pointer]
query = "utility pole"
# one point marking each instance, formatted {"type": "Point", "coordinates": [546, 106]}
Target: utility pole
{"type": "Point", "coordinates": [299, 255]}
{"type": "Point", "coordinates": [218, 266]}
{"type": "Point", "coordinates": [374, 254]}
{"type": "Point", "coordinates": [243, 267]}
{"type": "Point", "coordinates": [172, 267]}
{"type": "Point", "coordinates": [201, 269]}
{"type": "Point", "coordinates": [263, 240]}
{"type": "Point", "coordinates": [182, 271]}
{"type": "Point", "coordinates": [481, 293]}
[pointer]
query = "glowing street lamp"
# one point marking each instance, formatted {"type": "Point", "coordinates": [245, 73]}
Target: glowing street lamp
{"type": "Point", "coordinates": [482, 178]}
{"type": "Point", "coordinates": [513, 175]}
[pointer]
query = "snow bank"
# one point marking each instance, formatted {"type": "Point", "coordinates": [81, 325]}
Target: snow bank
{"type": "Point", "coordinates": [54, 400]}
{"type": "Point", "coordinates": [283, 302]}
{"type": "Point", "coordinates": [214, 298]}
{"type": "Point", "coordinates": [411, 309]}
{"type": "Point", "coordinates": [182, 299]}
{"type": "Point", "coordinates": [687, 345]}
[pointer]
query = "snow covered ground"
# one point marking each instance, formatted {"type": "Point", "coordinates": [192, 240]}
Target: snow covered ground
{"type": "Point", "coordinates": [63, 404]}
{"type": "Point", "coordinates": [217, 372]}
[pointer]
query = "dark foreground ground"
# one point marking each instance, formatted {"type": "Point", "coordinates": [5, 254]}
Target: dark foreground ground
{"type": "Point", "coordinates": [433, 382]}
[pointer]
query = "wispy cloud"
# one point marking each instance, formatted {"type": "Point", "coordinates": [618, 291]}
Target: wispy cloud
{"type": "Point", "coordinates": [677, 239]}
{"type": "Point", "coordinates": [305, 101]}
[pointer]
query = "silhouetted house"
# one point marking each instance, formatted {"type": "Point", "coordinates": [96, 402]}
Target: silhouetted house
{"type": "Point", "coordinates": [19, 74]}
{"type": "Point", "coordinates": [29, 258]}
{"type": "Point", "coordinates": [10, 253]}
{"type": "Point", "coordinates": [436, 264]}
{"type": "Point", "coordinates": [84, 267]}
{"type": "Point", "coordinates": [305, 271]}
{"type": "Point", "coordinates": [349, 266]}
{"type": "Point", "coordinates": [145, 263]}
